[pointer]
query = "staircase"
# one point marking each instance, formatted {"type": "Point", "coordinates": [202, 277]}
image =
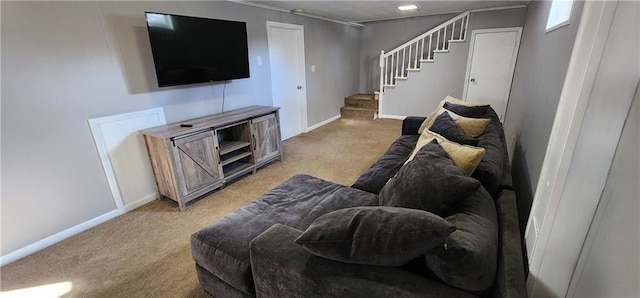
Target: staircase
{"type": "Point", "coordinates": [360, 106]}
{"type": "Point", "coordinates": [399, 63]}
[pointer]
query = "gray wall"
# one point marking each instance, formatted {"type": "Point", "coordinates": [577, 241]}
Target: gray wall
{"type": "Point", "coordinates": [612, 251]}
{"type": "Point", "coordinates": [66, 62]}
{"type": "Point", "coordinates": [539, 76]}
{"type": "Point", "coordinates": [423, 90]}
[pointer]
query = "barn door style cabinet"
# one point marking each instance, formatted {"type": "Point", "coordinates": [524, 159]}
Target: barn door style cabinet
{"type": "Point", "coordinates": [193, 157]}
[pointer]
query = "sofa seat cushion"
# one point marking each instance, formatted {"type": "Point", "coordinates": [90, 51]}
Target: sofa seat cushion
{"type": "Point", "coordinates": [387, 166]}
{"type": "Point", "coordinates": [223, 247]}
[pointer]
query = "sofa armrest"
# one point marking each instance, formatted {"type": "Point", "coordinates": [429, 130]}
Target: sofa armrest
{"type": "Point", "coordinates": [411, 125]}
{"type": "Point", "coordinates": [510, 276]}
{"type": "Point", "coordinates": [283, 269]}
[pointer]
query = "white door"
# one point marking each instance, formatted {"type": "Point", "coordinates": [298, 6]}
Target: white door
{"type": "Point", "coordinates": [286, 57]}
{"type": "Point", "coordinates": [492, 61]}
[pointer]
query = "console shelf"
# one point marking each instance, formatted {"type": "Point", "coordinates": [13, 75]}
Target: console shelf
{"type": "Point", "coordinates": [235, 168]}
{"type": "Point", "coordinates": [233, 156]}
{"type": "Point", "coordinates": [228, 146]}
{"type": "Point", "coordinates": [189, 161]}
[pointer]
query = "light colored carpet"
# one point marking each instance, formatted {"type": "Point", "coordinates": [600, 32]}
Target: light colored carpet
{"type": "Point", "coordinates": [146, 253]}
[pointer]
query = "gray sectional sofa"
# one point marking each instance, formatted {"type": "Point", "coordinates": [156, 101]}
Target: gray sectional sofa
{"type": "Point", "coordinates": [473, 251]}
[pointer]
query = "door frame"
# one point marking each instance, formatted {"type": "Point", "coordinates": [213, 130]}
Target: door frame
{"type": "Point", "coordinates": [512, 67]}
{"type": "Point", "coordinates": [301, 72]}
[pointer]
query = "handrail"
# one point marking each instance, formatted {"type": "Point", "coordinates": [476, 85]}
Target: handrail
{"type": "Point", "coordinates": [432, 31]}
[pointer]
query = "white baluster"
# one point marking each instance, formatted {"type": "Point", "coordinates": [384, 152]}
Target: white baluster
{"type": "Point", "coordinates": [438, 43]}
{"type": "Point", "coordinates": [417, 48]}
{"type": "Point", "coordinates": [429, 50]}
{"type": "Point", "coordinates": [410, 46]}
{"type": "Point", "coordinates": [384, 74]}
{"type": "Point", "coordinates": [444, 39]}
{"type": "Point", "coordinates": [403, 61]}
{"type": "Point", "coordinates": [466, 24]}
{"type": "Point", "coordinates": [422, 50]}
{"type": "Point", "coordinates": [453, 29]}
{"type": "Point", "coordinates": [397, 64]}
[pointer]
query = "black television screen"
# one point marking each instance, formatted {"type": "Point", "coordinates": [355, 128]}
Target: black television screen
{"type": "Point", "coordinates": [188, 50]}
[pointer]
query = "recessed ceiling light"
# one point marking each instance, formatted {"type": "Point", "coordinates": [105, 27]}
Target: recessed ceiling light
{"type": "Point", "coordinates": [407, 7]}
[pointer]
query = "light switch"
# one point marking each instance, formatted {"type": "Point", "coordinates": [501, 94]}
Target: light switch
{"type": "Point", "coordinates": [313, 68]}
{"type": "Point", "coordinates": [259, 60]}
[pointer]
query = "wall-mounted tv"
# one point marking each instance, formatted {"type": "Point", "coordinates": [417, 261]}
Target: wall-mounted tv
{"type": "Point", "coordinates": [189, 50]}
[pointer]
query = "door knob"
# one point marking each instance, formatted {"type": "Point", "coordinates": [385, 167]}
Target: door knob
{"type": "Point", "coordinates": [473, 80]}
{"type": "Point", "coordinates": [299, 87]}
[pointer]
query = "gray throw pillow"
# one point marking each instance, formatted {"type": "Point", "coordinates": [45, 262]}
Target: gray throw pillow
{"type": "Point", "coordinates": [446, 127]}
{"type": "Point", "coordinates": [467, 111]}
{"type": "Point", "coordinates": [381, 236]}
{"type": "Point", "coordinates": [431, 182]}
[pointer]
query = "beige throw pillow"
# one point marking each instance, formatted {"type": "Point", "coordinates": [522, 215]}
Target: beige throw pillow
{"type": "Point", "coordinates": [471, 126]}
{"type": "Point", "coordinates": [427, 122]}
{"type": "Point", "coordinates": [466, 157]}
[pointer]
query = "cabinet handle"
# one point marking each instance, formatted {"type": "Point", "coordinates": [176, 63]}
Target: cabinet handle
{"type": "Point", "coordinates": [254, 141]}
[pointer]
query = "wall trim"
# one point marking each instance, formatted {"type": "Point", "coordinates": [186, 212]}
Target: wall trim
{"type": "Point", "coordinates": [323, 123]}
{"type": "Point", "coordinates": [449, 12]}
{"type": "Point", "coordinates": [387, 116]}
{"type": "Point", "coordinates": [97, 126]}
{"type": "Point", "coordinates": [269, 7]}
{"type": "Point", "coordinates": [77, 229]}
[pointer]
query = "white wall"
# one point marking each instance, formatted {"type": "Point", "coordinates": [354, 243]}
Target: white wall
{"type": "Point", "coordinates": [66, 62]}
{"type": "Point", "coordinates": [610, 258]}
{"type": "Point", "coordinates": [595, 101]}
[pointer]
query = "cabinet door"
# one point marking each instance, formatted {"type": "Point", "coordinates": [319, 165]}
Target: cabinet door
{"type": "Point", "coordinates": [197, 161]}
{"type": "Point", "coordinates": [266, 137]}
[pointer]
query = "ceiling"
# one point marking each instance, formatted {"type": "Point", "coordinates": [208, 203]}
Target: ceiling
{"type": "Point", "coordinates": [367, 11]}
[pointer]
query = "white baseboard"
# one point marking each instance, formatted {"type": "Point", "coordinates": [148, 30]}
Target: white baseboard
{"type": "Point", "coordinates": [55, 238]}
{"type": "Point", "coordinates": [392, 116]}
{"type": "Point", "coordinates": [323, 123]}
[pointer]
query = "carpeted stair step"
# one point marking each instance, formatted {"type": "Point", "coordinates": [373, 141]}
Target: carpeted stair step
{"type": "Point", "coordinates": [357, 113]}
{"type": "Point", "coordinates": [361, 100]}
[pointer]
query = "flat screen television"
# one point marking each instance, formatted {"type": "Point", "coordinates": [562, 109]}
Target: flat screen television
{"type": "Point", "coordinates": [189, 50]}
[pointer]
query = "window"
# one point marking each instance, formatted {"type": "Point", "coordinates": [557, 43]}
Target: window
{"type": "Point", "coordinates": [559, 14]}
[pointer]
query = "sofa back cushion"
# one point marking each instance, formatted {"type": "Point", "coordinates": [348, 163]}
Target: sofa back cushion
{"type": "Point", "coordinates": [490, 170]}
{"type": "Point", "coordinates": [449, 99]}
{"type": "Point", "coordinates": [374, 178]}
{"type": "Point", "coordinates": [467, 259]}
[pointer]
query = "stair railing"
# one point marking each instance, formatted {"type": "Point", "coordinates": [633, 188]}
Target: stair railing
{"type": "Point", "coordinates": [407, 57]}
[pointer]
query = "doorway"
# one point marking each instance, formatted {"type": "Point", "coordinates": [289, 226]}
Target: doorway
{"type": "Point", "coordinates": [490, 67]}
{"type": "Point", "coordinates": [286, 58]}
